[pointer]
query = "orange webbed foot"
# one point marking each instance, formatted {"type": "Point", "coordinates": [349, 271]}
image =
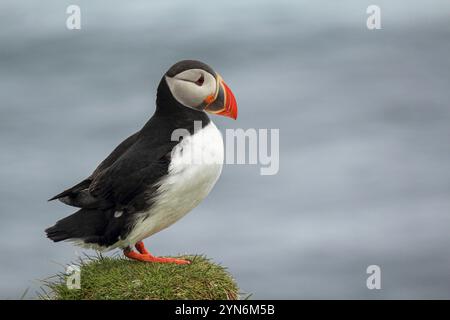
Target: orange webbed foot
{"type": "Point", "coordinates": [145, 256]}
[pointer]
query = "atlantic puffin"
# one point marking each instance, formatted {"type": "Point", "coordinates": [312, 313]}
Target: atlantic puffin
{"type": "Point", "coordinates": [157, 175]}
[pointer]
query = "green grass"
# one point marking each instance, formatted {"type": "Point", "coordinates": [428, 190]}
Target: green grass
{"type": "Point", "coordinates": [120, 278]}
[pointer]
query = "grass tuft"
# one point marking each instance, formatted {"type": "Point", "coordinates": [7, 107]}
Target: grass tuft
{"type": "Point", "coordinates": [119, 278]}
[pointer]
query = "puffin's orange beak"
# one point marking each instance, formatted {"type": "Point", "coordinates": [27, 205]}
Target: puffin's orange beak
{"type": "Point", "coordinates": [223, 101]}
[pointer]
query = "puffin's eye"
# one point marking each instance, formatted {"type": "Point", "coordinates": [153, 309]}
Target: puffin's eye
{"type": "Point", "coordinates": [200, 81]}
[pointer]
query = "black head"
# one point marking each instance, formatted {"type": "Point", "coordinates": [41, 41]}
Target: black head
{"type": "Point", "coordinates": [184, 65]}
{"type": "Point", "coordinates": [195, 85]}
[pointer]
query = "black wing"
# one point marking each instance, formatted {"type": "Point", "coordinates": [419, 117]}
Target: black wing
{"type": "Point", "coordinates": [126, 187]}
{"type": "Point", "coordinates": [78, 195]}
{"type": "Point", "coordinates": [117, 152]}
{"type": "Point", "coordinates": [129, 181]}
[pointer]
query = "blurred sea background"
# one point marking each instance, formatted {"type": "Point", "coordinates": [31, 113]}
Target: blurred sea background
{"type": "Point", "coordinates": [364, 119]}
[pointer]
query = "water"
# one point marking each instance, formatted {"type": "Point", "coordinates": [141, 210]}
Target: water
{"type": "Point", "coordinates": [364, 126]}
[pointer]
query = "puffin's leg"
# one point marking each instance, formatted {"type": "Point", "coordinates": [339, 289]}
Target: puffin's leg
{"type": "Point", "coordinates": [148, 257]}
{"type": "Point", "coordinates": [140, 247]}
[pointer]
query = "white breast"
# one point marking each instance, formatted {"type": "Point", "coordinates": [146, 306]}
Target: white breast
{"type": "Point", "coordinates": [194, 169]}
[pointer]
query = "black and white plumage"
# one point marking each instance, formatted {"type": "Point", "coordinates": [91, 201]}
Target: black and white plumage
{"type": "Point", "coordinates": [151, 179]}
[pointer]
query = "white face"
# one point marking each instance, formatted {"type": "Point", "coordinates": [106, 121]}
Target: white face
{"type": "Point", "coordinates": [191, 87]}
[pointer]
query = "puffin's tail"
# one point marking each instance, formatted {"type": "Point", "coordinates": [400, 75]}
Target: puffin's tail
{"type": "Point", "coordinates": [83, 224]}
